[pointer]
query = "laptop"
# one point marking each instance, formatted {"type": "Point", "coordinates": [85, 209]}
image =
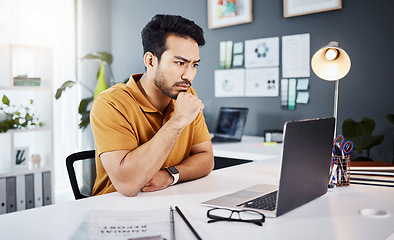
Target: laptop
{"type": "Point", "coordinates": [304, 176]}
{"type": "Point", "coordinates": [231, 124]}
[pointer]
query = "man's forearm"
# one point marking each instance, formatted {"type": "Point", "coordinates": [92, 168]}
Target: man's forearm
{"type": "Point", "coordinates": [198, 165]}
{"type": "Point", "coordinates": [129, 171]}
{"type": "Point", "coordinates": [141, 164]}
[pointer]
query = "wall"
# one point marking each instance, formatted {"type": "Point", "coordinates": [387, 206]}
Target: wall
{"type": "Point", "coordinates": [93, 30]}
{"type": "Point", "coordinates": [363, 28]}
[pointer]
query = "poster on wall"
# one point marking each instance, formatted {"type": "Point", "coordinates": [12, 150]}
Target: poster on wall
{"type": "Point", "coordinates": [262, 82]}
{"type": "Point", "coordinates": [229, 83]}
{"type": "Point", "coordinates": [263, 52]}
{"type": "Point", "coordinates": [223, 13]}
{"type": "Point", "coordinates": [292, 8]}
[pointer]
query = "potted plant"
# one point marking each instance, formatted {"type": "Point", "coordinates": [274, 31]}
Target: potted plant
{"type": "Point", "coordinates": [105, 59]}
{"type": "Point", "coordinates": [390, 119]}
{"type": "Point", "coordinates": [16, 117]}
{"type": "Point", "coordinates": [360, 133]}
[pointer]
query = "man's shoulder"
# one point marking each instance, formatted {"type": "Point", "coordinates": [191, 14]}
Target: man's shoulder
{"type": "Point", "coordinates": [117, 90]}
{"type": "Point", "coordinates": [117, 95]}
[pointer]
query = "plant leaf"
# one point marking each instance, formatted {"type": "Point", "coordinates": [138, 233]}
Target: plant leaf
{"type": "Point", "coordinates": [102, 56]}
{"type": "Point", "coordinates": [366, 142]}
{"type": "Point", "coordinates": [5, 100]}
{"type": "Point", "coordinates": [101, 85]}
{"type": "Point", "coordinates": [83, 105]}
{"type": "Point", "coordinates": [365, 127]}
{"type": "Point", "coordinates": [66, 84]}
{"type": "Point", "coordinates": [85, 120]}
{"type": "Point", "coordinates": [390, 118]}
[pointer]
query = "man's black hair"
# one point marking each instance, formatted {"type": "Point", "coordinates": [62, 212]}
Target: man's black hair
{"type": "Point", "coordinates": [155, 32]}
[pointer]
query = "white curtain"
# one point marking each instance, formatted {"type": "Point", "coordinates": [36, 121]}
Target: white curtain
{"type": "Point", "coordinates": [49, 23]}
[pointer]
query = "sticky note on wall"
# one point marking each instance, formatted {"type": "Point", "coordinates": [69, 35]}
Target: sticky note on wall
{"type": "Point", "coordinates": [284, 90]}
{"type": "Point", "coordinates": [292, 93]}
{"type": "Point", "coordinates": [303, 97]}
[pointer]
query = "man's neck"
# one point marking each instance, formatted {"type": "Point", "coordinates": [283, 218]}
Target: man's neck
{"type": "Point", "coordinates": [154, 95]}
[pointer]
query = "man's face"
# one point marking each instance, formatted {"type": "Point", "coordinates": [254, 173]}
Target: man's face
{"type": "Point", "coordinates": [178, 66]}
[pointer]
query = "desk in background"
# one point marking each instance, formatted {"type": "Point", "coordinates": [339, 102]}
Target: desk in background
{"type": "Point", "coordinates": [251, 148]}
{"type": "Point", "coordinates": [333, 216]}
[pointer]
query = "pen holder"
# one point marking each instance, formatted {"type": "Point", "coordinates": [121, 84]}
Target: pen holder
{"type": "Point", "coordinates": [340, 171]}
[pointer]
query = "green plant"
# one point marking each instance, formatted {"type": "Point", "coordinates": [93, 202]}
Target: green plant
{"type": "Point", "coordinates": [83, 109]}
{"type": "Point", "coordinates": [360, 133]}
{"type": "Point", "coordinates": [390, 118]}
{"type": "Point", "coordinates": [17, 117]}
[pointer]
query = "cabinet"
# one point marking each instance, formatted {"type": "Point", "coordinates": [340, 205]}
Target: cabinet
{"type": "Point", "coordinates": [26, 74]}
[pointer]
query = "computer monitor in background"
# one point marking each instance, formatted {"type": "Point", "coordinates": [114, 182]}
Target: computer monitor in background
{"type": "Point", "coordinates": [231, 124]}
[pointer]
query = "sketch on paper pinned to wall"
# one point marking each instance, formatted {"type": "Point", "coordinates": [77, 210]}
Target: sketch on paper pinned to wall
{"type": "Point", "coordinates": [296, 55]}
{"type": "Point", "coordinates": [229, 83]}
{"type": "Point", "coordinates": [262, 82]}
{"type": "Point", "coordinates": [263, 52]}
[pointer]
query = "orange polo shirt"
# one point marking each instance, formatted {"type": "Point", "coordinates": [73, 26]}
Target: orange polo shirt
{"type": "Point", "coordinates": [122, 118]}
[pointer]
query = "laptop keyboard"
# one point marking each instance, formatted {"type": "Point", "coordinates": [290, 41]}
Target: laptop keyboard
{"type": "Point", "coordinates": [265, 202]}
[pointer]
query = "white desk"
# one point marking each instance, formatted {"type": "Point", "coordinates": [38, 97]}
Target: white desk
{"type": "Point", "coordinates": [250, 148]}
{"type": "Point", "coordinates": [332, 216]}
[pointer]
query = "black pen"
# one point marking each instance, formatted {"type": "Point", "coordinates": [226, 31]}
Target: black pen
{"type": "Point", "coordinates": [187, 223]}
{"type": "Point", "coordinates": [172, 223]}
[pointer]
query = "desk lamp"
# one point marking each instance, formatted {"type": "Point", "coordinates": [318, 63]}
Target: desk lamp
{"type": "Point", "coordinates": [331, 63]}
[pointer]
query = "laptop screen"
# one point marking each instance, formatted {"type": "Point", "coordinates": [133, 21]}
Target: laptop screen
{"type": "Point", "coordinates": [231, 122]}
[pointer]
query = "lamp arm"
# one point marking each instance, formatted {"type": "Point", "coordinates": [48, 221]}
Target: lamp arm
{"type": "Point", "coordinates": [336, 106]}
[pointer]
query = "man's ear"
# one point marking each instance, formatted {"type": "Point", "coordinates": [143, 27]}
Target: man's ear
{"type": "Point", "coordinates": [149, 60]}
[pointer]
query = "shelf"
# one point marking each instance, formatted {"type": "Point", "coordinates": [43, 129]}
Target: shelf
{"type": "Point", "coordinates": [25, 62]}
{"type": "Point", "coordinates": [24, 172]}
{"type": "Point", "coordinates": [26, 88]}
{"type": "Point", "coordinates": [27, 65]}
{"type": "Point", "coordinates": [38, 129]}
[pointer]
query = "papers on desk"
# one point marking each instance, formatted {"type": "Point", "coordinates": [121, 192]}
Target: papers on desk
{"type": "Point", "coordinates": [107, 224]}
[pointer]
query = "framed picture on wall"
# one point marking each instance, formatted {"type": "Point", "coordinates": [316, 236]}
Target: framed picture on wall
{"type": "Point", "coordinates": [223, 13]}
{"type": "Point", "coordinates": [292, 8]}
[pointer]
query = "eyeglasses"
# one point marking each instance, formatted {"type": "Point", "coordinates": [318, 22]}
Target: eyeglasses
{"type": "Point", "coordinates": [224, 214]}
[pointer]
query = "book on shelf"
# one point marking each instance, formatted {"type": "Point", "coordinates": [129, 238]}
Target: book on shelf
{"type": "Point", "coordinates": [23, 80]}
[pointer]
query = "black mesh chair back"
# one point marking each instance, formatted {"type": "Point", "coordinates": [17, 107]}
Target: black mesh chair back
{"type": "Point", "coordinates": [86, 172]}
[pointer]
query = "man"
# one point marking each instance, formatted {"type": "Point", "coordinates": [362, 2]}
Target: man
{"type": "Point", "coordinates": [150, 128]}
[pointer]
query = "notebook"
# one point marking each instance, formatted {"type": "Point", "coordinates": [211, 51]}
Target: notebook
{"type": "Point", "coordinates": [304, 176]}
{"type": "Point", "coordinates": [231, 124]}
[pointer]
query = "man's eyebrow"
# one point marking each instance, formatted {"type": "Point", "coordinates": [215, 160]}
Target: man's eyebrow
{"type": "Point", "coordinates": [186, 60]}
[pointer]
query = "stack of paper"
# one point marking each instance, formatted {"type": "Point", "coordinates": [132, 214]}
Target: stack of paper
{"type": "Point", "coordinates": [372, 173]}
{"type": "Point", "coordinates": [124, 225]}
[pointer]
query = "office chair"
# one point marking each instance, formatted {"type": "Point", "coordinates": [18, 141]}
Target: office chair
{"type": "Point", "coordinates": [84, 189]}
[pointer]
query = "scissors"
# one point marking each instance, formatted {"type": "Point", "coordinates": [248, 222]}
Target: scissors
{"type": "Point", "coordinates": [342, 147]}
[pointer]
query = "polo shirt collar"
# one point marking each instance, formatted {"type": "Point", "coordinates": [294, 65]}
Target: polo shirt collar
{"type": "Point", "coordinates": [144, 104]}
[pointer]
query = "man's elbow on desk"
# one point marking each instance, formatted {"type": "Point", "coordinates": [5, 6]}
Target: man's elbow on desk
{"type": "Point", "coordinates": [127, 186]}
{"type": "Point", "coordinates": [127, 190]}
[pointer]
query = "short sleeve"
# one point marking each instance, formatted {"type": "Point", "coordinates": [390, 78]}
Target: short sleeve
{"type": "Point", "coordinates": [110, 127]}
